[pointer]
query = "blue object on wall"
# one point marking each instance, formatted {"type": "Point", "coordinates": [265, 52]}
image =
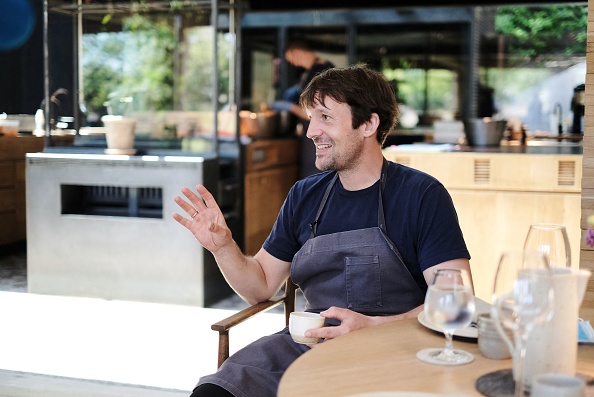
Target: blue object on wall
{"type": "Point", "coordinates": [17, 21]}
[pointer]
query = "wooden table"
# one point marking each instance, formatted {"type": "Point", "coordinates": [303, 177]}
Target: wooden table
{"type": "Point", "coordinates": [383, 358]}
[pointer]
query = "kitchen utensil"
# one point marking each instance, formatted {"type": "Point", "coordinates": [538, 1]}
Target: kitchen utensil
{"type": "Point", "coordinates": [484, 132]}
{"type": "Point", "coordinates": [263, 124]}
{"type": "Point", "coordinates": [9, 127]}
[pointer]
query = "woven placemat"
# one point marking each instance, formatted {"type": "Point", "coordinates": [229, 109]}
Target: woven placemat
{"type": "Point", "coordinates": [501, 384]}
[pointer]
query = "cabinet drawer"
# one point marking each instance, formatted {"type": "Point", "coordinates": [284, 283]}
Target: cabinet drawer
{"type": "Point", "coordinates": [7, 173]}
{"type": "Point", "coordinates": [7, 200]}
{"type": "Point", "coordinates": [270, 153]}
{"type": "Point", "coordinates": [12, 229]}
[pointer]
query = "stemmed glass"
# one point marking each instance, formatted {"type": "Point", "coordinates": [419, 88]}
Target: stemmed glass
{"type": "Point", "coordinates": [550, 239]}
{"type": "Point", "coordinates": [449, 305]}
{"type": "Point", "coordinates": [522, 298]}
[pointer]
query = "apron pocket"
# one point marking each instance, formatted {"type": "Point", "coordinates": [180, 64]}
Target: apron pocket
{"type": "Point", "coordinates": [363, 282]}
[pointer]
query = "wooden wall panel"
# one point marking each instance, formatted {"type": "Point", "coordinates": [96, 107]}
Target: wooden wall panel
{"type": "Point", "coordinates": [587, 202]}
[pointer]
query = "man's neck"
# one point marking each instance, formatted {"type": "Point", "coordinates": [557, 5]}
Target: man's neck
{"type": "Point", "coordinates": [309, 59]}
{"type": "Point", "coordinates": [364, 174]}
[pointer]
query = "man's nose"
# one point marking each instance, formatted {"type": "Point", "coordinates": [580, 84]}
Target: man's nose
{"type": "Point", "coordinates": [312, 131]}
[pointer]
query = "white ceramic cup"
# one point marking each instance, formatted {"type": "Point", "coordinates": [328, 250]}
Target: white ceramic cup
{"type": "Point", "coordinates": [299, 322]}
{"type": "Point", "coordinates": [557, 385]}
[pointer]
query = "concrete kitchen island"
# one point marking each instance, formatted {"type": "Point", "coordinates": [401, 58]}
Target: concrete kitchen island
{"type": "Point", "coordinates": [101, 226]}
{"type": "Point", "coordinates": [499, 191]}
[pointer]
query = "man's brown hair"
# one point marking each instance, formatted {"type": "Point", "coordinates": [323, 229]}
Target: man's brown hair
{"type": "Point", "coordinates": [363, 89]}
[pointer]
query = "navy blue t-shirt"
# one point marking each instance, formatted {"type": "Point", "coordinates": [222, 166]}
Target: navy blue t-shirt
{"type": "Point", "coordinates": [420, 217]}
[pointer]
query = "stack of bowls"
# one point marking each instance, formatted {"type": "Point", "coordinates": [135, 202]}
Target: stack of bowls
{"type": "Point", "coordinates": [490, 342]}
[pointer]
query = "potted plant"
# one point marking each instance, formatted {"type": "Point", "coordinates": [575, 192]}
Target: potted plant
{"type": "Point", "coordinates": [119, 128]}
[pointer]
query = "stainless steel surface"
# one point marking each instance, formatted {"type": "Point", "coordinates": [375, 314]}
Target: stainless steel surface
{"type": "Point", "coordinates": [545, 142]}
{"type": "Point", "coordinates": [484, 132]}
{"type": "Point", "coordinates": [116, 257]}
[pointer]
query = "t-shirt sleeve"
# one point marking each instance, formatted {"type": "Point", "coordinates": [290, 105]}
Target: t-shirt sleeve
{"type": "Point", "coordinates": [440, 237]}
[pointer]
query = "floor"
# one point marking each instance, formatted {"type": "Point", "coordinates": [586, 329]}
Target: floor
{"type": "Point", "coordinates": [88, 347]}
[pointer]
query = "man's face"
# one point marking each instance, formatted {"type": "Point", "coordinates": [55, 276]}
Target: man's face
{"type": "Point", "coordinates": [291, 57]}
{"type": "Point", "coordinates": [338, 145]}
{"type": "Point", "coordinates": [296, 58]}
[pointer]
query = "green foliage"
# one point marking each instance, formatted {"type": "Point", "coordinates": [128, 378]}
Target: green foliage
{"type": "Point", "coordinates": [196, 80]}
{"type": "Point", "coordinates": [516, 84]}
{"type": "Point", "coordinates": [136, 62]}
{"type": "Point", "coordinates": [411, 87]}
{"type": "Point", "coordinates": [147, 62]}
{"type": "Point", "coordinates": [148, 75]}
{"type": "Point", "coordinates": [543, 31]}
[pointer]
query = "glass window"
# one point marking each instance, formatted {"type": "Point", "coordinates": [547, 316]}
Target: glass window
{"type": "Point", "coordinates": [152, 62]}
{"type": "Point", "coordinates": [534, 58]}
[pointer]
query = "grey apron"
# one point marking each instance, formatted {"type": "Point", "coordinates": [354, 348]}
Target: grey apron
{"type": "Point", "coordinates": [361, 270]}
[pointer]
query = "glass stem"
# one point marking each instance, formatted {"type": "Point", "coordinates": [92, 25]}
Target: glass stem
{"type": "Point", "coordinates": [521, 342]}
{"type": "Point", "coordinates": [448, 351]}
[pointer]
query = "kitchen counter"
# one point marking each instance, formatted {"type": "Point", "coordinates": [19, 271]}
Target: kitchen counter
{"type": "Point", "coordinates": [12, 185]}
{"type": "Point", "coordinates": [500, 191]}
{"type": "Point", "coordinates": [534, 148]}
{"type": "Point", "coordinates": [101, 226]}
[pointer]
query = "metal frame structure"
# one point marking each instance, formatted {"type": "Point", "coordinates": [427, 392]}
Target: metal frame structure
{"type": "Point", "coordinates": [76, 9]}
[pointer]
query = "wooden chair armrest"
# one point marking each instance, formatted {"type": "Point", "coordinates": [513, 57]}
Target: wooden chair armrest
{"type": "Point", "coordinates": [239, 317]}
{"type": "Point", "coordinates": [223, 326]}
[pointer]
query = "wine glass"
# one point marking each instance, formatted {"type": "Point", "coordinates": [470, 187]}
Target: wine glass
{"type": "Point", "coordinates": [449, 304]}
{"type": "Point", "coordinates": [522, 298]}
{"type": "Point", "coordinates": [550, 239]}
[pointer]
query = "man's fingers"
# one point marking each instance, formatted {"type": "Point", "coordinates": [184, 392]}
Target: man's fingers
{"type": "Point", "coordinates": [324, 332]}
{"type": "Point", "coordinates": [184, 205]}
{"type": "Point", "coordinates": [335, 312]}
{"type": "Point", "coordinates": [209, 200]}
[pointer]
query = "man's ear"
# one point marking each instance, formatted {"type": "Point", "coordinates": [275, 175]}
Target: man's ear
{"type": "Point", "coordinates": [370, 126]}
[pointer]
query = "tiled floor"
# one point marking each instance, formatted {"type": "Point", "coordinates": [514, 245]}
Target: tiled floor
{"type": "Point", "coordinates": [91, 347]}
{"type": "Point", "coordinates": [13, 268]}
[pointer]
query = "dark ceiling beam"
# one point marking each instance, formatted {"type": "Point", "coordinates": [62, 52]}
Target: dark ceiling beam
{"type": "Point", "coordinates": [280, 5]}
{"type": "Point", "coordinates": [442, 15]}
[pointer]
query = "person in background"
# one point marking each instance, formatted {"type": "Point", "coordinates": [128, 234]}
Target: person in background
{"type": "Point", "coordinates": [362, 238]}
{"type": "Point", "coordinates": [299, 54]}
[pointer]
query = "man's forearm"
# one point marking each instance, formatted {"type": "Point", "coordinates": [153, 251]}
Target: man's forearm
{"type": "Point", "coordinates": [244, 274]}
{"type": "Point", "coordinates": [403, 316]}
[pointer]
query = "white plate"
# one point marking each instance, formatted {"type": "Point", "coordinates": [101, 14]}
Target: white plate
{"type": "Point", "coordinates": [468, 332]}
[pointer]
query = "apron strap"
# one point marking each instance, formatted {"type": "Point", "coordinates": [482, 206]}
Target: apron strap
{"type": "Point", "coordinates": [381, 219]}
{"type": "Point", "coordinates": [314, 225]}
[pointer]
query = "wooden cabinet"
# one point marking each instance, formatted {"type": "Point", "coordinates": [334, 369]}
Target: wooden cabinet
{"type": "Point", "coordinates": [498, 195]}
{"type": "Point", "coordinates": [270, 171]}
{"type": "Point", "coordinates": [12, 186]}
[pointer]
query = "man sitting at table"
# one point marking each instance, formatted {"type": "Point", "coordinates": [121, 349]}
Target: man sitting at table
{"type": "Point", "coordinates": [361, 238]}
